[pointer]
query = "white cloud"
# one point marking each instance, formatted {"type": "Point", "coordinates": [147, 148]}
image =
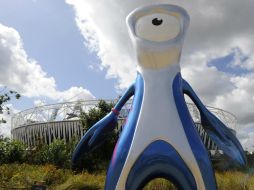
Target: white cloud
{"type": "Point", "coordinates": [25, 75]}
{"type": "Point", "coordinates": [218, 28]}
{"type": "Point", "coordinates": [17, 70]}
{"type": "Point", "coordinates": [74, 94]}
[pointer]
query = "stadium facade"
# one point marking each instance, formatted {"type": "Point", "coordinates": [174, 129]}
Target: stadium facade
{"type": "Point", "coordinates": [44, 124]}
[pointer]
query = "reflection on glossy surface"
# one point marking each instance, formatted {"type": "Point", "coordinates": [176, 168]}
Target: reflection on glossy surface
{"type": "Point", "coordinates": [159, 138]}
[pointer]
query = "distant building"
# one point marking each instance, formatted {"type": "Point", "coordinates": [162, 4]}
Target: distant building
{"type": "Point", "coordinates": [46, 123]}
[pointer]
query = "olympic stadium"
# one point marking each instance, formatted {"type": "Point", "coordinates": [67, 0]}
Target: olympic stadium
{"type": "Point", "coordinates": [61, 121]}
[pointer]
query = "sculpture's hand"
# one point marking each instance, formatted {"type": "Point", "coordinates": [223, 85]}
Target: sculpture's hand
{"type": "Point", "coordinates": [95, 136]}
{"type": "Point", "coordinates": [98, 133]}
{"type": "Point", "coordinates": [223, 136]}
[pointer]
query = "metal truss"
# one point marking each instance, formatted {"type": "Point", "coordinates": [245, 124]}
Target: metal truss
{"type": "Point", "coordinates": [71, 111]}
{"type": "Point", "coordinates": [61, 121]}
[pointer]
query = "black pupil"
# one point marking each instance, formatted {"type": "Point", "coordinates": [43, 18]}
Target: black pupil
{"type": "Point", "coordinates": [157, 22]}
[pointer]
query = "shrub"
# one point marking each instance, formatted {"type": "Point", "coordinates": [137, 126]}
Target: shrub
{"type": "Point", "coordinates": [3, 155]}
{"type": "Point", "coordinates": [57, 153]}
{"type": "Point", "coordinates": [15, 152]}
{"type": "Point", "coordinates": [11, 151]}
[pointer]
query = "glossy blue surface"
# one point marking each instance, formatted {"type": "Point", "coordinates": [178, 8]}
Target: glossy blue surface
{"type": "Point", "coordinates": [218, 132]}
{"type": "Point", "coordinates": [127, 95]}
{"type": "Point", "coordinates": [98, 133]}
{"type": "Point", "coordinates": [94, 136]}
{"type": "Point", "coordinates": [125, 140]}
{"type": "Point", "coordinates": [160, 160]}
{"type": "Point", "coordinates": [197, 146]}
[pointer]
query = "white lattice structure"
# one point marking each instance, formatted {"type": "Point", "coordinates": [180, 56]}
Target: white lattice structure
{"type": "Point", "coordinates": [61, 121]}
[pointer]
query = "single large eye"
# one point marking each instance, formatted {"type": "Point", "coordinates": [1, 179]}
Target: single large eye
{"type": "Point", "coordinates": [157, 27]}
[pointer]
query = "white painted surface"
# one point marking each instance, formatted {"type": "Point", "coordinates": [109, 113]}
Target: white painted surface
{"type": "Point", "coordinates": [159, 120]}
{"type": "Point", "coordinates": [158, 62]}
{"type": "Point", "coordinates": [168, 29]}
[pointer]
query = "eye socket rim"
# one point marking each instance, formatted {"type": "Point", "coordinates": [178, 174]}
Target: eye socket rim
{"type": "Point", "coordinates": [173, 10]}
{"type": "Point", "coordinates": [147, 19]}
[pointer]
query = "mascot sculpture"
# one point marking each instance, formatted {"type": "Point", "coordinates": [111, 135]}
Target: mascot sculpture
{"type": "Point", "coordinates": [159, 138]}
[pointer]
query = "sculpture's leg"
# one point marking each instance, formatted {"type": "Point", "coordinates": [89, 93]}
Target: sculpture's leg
{"type": "Point", "coordinates": [196, 144]}
{"type": "Point", "coordinates": [124, 143]}
{"type": "Point", "coordinates": [160, 159]}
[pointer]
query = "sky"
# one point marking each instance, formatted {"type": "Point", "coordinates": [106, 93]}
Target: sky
{"type": "Point", "coordinates": [53, 51]}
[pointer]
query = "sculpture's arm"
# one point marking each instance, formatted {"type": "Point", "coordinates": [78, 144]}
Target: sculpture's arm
{"type": "Point", "coordinates": [98, 132]}
{"type": "Point", "coordinates": [218, 132]}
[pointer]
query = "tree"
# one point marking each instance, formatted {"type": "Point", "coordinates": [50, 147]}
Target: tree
{"type": "Point", "coordinates": [99, 158]}
{"type": "Point", "coordinates": [5, 96]}
{"type": "Point", "coordinates": [95, 114]}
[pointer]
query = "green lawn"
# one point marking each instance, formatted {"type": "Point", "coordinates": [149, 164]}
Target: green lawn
{"type": "Point", "coordinates": [23, 176]}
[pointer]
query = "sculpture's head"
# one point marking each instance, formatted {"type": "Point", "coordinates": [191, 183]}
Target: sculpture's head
{"type": "Point", "coordinates": [157, 32]}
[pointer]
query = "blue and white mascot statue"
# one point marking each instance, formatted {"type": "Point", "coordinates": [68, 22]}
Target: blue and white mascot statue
{"type": "Point", "coordinates": [159, 138]}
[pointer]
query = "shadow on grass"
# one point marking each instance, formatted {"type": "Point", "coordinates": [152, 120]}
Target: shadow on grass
{"type": "Point", "coordinates": [82, 187]}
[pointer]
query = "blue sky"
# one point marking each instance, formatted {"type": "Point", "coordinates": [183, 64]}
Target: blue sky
{"type": "Point", "coordinates": [53, 50]}
{"type": "Point", "coordinates": [50, 36]}
{"type": "Point", "coordinates": [224, 64]}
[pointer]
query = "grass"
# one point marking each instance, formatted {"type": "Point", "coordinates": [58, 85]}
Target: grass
{"type": "Point", "coordinates": [159, 184]}
{"type": "Point", "coordinates": [235, 180]}
{"type": "Point", "coordinates": [24, 176]}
